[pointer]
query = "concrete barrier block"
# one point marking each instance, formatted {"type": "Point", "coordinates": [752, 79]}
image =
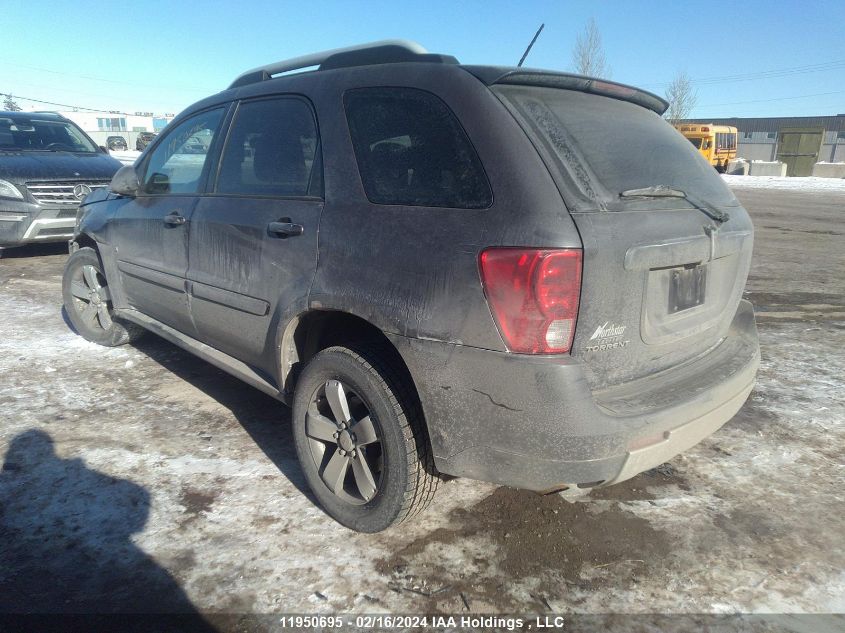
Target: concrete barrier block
{"type": "Point", "coordinates": [766, 168]}
{"type": "Point", "coordinates": [738, 167]}
{"type": "Point", "coordinates": [829, 170]}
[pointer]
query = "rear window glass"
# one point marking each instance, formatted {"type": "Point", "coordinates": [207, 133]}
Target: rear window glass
{"type": "Point", "coordinates": [411, 150]}
{"type": "Point", "coordinates": [624, 145]}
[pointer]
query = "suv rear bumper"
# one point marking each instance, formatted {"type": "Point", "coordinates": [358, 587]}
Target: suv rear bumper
{"type": "Point", "coordinates": [24, 222]}
{"type": "Point", "coordinates": [532, 421]}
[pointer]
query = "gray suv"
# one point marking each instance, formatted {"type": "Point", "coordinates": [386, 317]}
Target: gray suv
{"type": "Point", "coordinates": [519, 276]}
{"type": "Point", "coordinates": [144, 139]}
{"type": "Point", "coordinates": [47, 166]}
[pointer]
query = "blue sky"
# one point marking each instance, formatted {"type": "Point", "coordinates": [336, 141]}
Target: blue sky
{"type": "Point", "coordinates": [152, 55]}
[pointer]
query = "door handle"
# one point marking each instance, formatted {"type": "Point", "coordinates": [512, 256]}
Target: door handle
{"type": "Point", "coordinates": [285, 228]}
{"type": "Point", "coordinates": [174, 219]}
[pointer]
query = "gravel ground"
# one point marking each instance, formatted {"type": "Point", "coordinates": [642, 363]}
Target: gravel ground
{"type": "Point", "coordinates": [142, 479]}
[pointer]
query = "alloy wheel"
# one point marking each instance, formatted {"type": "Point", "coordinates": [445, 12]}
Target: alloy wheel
{"type": "Point", "coordinates": [344, 442]}
{"type": "Point", "coordinates": [91, 297]}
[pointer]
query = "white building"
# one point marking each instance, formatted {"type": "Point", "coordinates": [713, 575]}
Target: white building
{"type": "Point", "coordinates": [101, 125]}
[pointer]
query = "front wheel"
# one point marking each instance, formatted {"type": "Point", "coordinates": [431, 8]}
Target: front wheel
{"type": "Point", "coordinates": [361, 440]}
{"type": "Point", "coordinates": [88, 302]}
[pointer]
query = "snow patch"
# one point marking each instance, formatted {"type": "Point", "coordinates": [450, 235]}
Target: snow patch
{"type": "Point", "coordinates": [795, 183]}
{"type": "Point", "coordinates": [127, 157]}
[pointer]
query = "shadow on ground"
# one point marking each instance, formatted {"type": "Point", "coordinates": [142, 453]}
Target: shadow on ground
{"type": "Point", "coordinates": [34, 250]}
{"type": "Point", "coordinates": [265, 419]}
{"type": "Point", "coordinates": [65, 543]}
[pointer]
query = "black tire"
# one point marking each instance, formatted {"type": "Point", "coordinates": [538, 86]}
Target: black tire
{"type": "Point", "coordinates": [93, 317]}
{"type": "Point", "coordinates": [400, 460]}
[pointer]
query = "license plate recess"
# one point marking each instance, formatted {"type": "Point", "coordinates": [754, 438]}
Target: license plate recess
{"type": "Point", "coordinates": [687, 286]}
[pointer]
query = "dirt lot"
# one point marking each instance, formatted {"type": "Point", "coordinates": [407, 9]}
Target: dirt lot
{"type": "Point", "coordinates": [140, 478]}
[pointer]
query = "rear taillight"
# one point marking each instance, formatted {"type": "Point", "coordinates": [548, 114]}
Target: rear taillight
{"type": "Point", "coordinates": [533, 295]}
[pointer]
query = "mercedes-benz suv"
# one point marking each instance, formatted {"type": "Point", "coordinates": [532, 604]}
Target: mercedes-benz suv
{"type": "Point", "coordinates": [47, 166]}
{"type": "Point", "coordinates": [520, 276]}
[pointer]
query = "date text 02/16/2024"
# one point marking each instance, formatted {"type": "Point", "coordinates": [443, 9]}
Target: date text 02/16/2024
{"type": "Point", "coordinates": [474, 623]}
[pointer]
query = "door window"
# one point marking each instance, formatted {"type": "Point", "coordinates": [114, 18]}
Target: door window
{"type": "Point", "coordinates": [272, 150]}
{"type": "Point", "coordinates": [177, 162]}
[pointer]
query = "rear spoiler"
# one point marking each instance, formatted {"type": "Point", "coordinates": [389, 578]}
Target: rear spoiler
{"type": "Point", "coordinates": [491, 75]}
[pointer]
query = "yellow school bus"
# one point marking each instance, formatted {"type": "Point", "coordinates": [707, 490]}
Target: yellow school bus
{"type": "Point", "coordinates": [717, 143]}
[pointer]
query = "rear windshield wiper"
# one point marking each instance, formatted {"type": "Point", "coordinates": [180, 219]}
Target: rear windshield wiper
{"type": "Point", "coordinates": [662, 191]}
{"type": "Point", "coordinates": [657, 191]}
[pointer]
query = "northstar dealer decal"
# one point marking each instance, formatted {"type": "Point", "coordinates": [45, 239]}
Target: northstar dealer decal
{"type": "Point", "coordinates": [607, 336]}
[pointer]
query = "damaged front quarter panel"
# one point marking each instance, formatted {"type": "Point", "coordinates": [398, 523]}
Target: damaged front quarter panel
{"type": "Point", "coordinates": [91, 217]}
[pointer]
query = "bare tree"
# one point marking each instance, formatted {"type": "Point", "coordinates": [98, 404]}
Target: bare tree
{"type": "Point", "coordinates": [10, 105]}
{"type": "Point", "coordinates": [682, 98]}
{"type": "Point", "coordinates": [588, 54]}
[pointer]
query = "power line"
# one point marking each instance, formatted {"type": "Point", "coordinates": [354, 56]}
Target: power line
{"type": "Point", "coordinates": [818, 94]}
{"type": "Point", "coordinates": [768, 74]}
{"type": "Point", "coordinates": [763, 74]}
{"type": "Point", "coordinates": [823, 66]}
{"type": "Point", "coordinates": [103, 79]}
{"type": "Point", "coordinates": [53, 89]}
{"type": "Point", "coordinates": [64, 105]}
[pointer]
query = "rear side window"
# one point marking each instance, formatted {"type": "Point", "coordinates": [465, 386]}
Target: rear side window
{"type": "Point", "coordinates": [412, 151]}
{"type": "Point", "coordinates": [271, 150]}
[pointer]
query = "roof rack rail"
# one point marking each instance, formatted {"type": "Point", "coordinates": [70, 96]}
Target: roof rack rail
{"type": "Point", "coordinates": [381, 52]}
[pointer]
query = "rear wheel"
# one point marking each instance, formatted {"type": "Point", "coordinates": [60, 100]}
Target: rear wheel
{"type": "Point", "coordinates": [361, 440]}
{"type": "Point", "coordinates": [88, 302]}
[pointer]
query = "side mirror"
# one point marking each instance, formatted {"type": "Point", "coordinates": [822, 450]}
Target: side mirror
{"type": "Point", "coordinates": [104, 149]}
{"type": "Point", "coordinates": [125, 182]}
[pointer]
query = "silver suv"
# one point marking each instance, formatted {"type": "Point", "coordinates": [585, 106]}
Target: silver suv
{"type": "Point", "coordinates": [47, 166]}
